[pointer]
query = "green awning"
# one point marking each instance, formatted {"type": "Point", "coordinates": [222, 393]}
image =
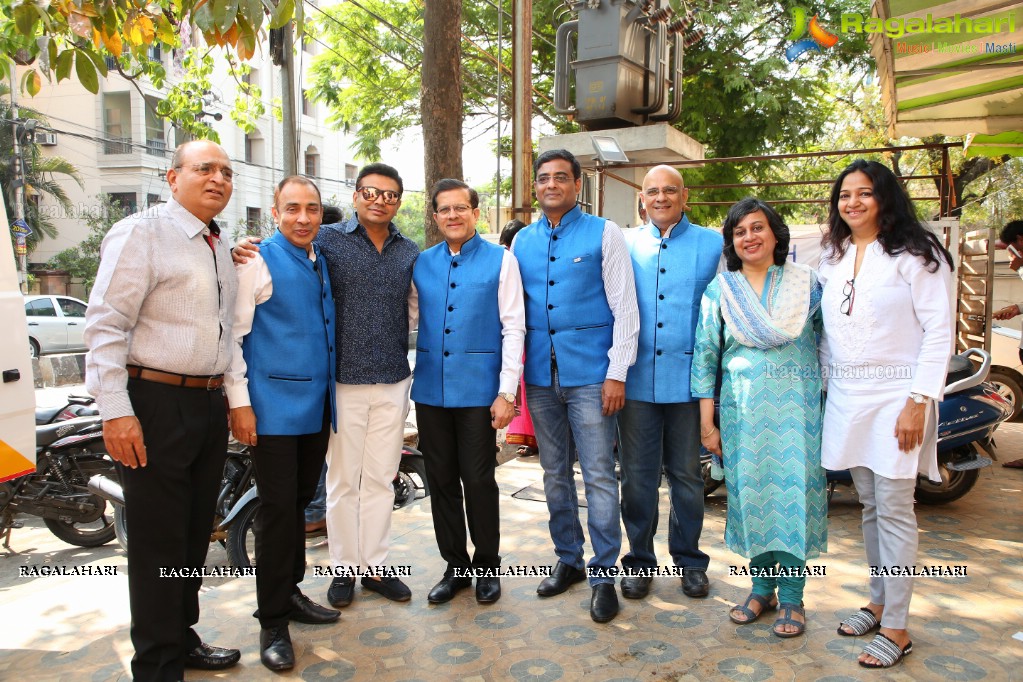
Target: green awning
{"type": "Point", "coordinates": [961, 76]}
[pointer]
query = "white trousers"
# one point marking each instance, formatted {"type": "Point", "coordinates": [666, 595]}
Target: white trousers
{"type": "Point", "coordinates": [362, 460]}
{"type": "Point", "coordinates": [890, 537]}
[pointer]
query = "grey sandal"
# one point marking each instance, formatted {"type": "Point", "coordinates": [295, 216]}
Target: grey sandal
{"type": "Point", "coordinates": [886, 651]}
{"type": "Point", "coordinates": [765, 605]}
{"type": "Point", "coordinates": [786, 609]}
{"type": "Point", "coordinates": [861, 622]}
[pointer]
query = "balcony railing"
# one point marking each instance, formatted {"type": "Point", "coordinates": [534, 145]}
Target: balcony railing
{"type": "Point", "coordinates": [156, 147]}
{"type": "Point", "coordinates": [117, 146]}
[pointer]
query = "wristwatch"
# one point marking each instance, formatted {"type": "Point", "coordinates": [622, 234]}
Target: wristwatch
{"type": "Point", "coordinates": [919, 399]}
{"type": "Point", "coordinates": [510, 397]}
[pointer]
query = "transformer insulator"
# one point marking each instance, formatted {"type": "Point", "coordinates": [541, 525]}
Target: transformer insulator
{"type": "Point", "coordinates": [662, 14]}
{"type": "Point", "coordinates": [693, 38]}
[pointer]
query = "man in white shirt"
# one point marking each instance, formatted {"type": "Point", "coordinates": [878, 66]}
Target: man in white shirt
{"type": "Point", "coordinates": [158, 329]}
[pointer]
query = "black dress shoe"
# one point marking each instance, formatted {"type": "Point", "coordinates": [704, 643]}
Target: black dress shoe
{"type": "Point", "coordinates": [694, 582]}
{"type": "Point", "coordinates": [604, 602]}
{"type": "Point", "coordinates": [391, 587]}
{"type": "Point", "coordinates": [206, 657]}
{"type": "Point", "coordinates": [305, 610]}
{"type": "Point", "coordinates": [447, 588]}
{"type": "Point", "coordinates": [561, 578]}
{"type": "Point", "coordinates": [275, 650]}
{"type": "Point", "coordinates": [636, 586]}
{"type": "Point", "coordinates": [488, 589]}
{"type": "Point", "coordinates": [341, 591]}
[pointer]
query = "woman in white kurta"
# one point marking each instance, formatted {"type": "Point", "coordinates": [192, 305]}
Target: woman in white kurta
{"type": "Point", "coordinates": [887, 341]}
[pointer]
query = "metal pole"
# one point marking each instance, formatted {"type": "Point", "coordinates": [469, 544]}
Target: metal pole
{"type": "Point", "coordinates": [522, 140]}
{"type": "Point", "coordinates": [288, 99]}
{"type": "Point", "coordinates": [19, 188]}
{"type": "Point", "coordinates": [500, 65]}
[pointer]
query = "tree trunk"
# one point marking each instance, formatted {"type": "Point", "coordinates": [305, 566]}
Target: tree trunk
{"type": "Point", "coordinates": [441, 98]}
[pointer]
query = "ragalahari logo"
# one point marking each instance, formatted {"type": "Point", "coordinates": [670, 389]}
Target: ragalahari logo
{"type": "Point", "coordinates": [819, 38]}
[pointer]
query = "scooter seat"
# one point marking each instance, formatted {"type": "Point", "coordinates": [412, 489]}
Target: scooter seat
{"type": "Point", "coordinates": [959, 368]}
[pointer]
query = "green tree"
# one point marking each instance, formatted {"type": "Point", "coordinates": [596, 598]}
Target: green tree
{"type": "Point", "coordinates": [83, 260]}
{"type": "Point", "coordinates": [42, 175]}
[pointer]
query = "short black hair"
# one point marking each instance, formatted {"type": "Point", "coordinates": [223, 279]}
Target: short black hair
{"type": "Point", "coordinates": [296, 180]}
{"type": "Point", "coordinates": [448, 184]}
{"type": "Point", "coordinates": [740, 210]}
{"type": "Point", "coordinates": [1011, 231]}
{"type": "Point", "coordinates": [380, 169]}
{"type": "Point", "coordinates": [555, 154]}
{"type": "Point", "coordinates": [332, 214]}
{"type": "Point", "coordinates": [511, 229]}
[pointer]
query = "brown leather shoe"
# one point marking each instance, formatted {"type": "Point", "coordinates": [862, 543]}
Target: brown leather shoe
{"type": "Point", "coordinates": [316, 528]}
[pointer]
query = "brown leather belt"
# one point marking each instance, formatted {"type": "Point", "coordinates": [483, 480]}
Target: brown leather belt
{"type": "Point", "coordinates": [209, 383]}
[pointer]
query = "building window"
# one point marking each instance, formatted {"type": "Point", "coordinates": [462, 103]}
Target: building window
{"type": "Point", "coordinates": [312, 164]}
{"type": "Point", "coordinates": [251, 78]}
{"type": "Point", "coordinates": [254, 148]}
{"type": "Point", "coordinates": [156, 136]}
{"type": "Point", "coordinates": [307, 106]}
{"type": "Point", "coordinates": [117, 123]}
{"type": "Point", "coordinates": [126, 200]}
{"type": "Point", "coordinates": [253, 216]}
{"type": "Point", "coordinates": [351, 173]}
{"type": "Point", "coordinates": [153, 200]}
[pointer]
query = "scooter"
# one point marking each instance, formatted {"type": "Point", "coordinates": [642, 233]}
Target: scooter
{"type": "Point", "coordinates": [967, 419]}
{"type": "Point", "coordinates": [238, 499]}
{"type": "Point", "coordinates": [68, 453]}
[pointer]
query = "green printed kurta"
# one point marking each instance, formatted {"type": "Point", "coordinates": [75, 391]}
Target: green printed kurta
{"type": "Point", "coordinates": [770, 432]}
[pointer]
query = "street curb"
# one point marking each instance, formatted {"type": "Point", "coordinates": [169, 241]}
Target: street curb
{"type": "Point", "coordinates": [58, 370]}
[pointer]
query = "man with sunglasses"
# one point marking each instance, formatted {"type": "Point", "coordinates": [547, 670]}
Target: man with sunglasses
{"type": "Point", "coordinates": [370, 264]}
{"type": "Point", "coordinates": [674, 261]}
{"type": "Point", "coordinates": [581, 328]}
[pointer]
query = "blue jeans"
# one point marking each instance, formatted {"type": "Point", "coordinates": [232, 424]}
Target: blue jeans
{"type": "Point", "coordinates": [316, 511]}
{"type": "Point", "coordinates": [656, 435]}
{"type": "Point", "coordinates": [561, 416]}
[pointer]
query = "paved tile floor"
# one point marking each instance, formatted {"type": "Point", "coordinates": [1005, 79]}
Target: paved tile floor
{"type": "Point", "coordinates": [76, 628]}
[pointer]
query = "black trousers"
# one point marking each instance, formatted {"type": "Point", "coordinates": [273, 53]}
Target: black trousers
{"type": "Point", "coordinates": [287, 472]}
{"type": "Point", "coordinates": [458, 446]}
{"type": "Point", "coordinates": [169, 507]}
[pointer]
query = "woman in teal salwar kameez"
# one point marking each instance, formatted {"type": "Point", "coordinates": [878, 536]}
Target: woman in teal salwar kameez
{"type": "Point", "coordinates": [758, 324]}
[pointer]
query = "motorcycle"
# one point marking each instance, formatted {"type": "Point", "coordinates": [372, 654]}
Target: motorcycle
{"type": "Point", "coordinates": [238, 499]}
{"type": "Point", "coordinates": [967, 419]}
{"type": "Point", "coordinates": [76, 406]}
{"type": "Point", "coordinates": [68, 454]}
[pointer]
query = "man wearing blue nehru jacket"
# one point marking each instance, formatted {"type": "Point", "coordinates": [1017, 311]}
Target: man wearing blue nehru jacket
{"type": "Point", "coordinates": [468, 360]}
{"type": "Point", "coordinates": [674, 261]}
{"type": "Point", "coordinates": [280, 386]}
{"type": "Point", "coordinates": [581, 329]}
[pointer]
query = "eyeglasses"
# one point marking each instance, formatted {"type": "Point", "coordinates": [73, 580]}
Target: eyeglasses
{"type": "Point", "coordinates": [460, 209]}
{"type": "Point", "coordinates": [559, 178]}
{"type": "Point", "coordinates": [669, 191]}
{"type": "Point", "coordinates": [850, 295]}
{"type": "Point", "coordinates": [209, 169]}
{"type": "Point", "coordinates": [370, 194]}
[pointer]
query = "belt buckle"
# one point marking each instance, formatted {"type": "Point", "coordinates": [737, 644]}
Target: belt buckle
{"type": "Point", "coordinates": [209, 384]}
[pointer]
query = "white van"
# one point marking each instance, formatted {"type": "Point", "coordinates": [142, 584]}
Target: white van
{"type": "Point", "coordinates": [17, 394]}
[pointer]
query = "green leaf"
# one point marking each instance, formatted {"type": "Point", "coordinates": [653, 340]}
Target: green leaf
{"type": "Point", "coordinates": [224, 12]}
{"type": "Point", "coordinates": [282, 13]}
{"type": "Point", "coordinates": [31, 83]}
{"type": "Point", "coordinates": [97, 61]}
{"type": "Point", "coordinates": [203, 17]}
{"type": "Point", "coordinates": [86, 71]}
{"type": "Point", "coordinates": [63, 62]}
{"type": "Point", "coordinates": [25, 18]}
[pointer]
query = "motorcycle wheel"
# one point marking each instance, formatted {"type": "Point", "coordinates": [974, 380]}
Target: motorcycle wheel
{"type": "Point", "coordinates": [415, 467]}
{"type": "Point", "coordinates": [1009, 388]}
{"type": "Point", "coordinates": [121, 527]}
{"type": "Point", "coordinates": [241, 539]}
{"type": "Point", "coordinates": [709, 484]}
{"type": "Point", "coordinates": [87, 533]}
{"type": "Point", "coordinates": [404, 490]}
{"type": "Point", "coordinates": [957, 484]}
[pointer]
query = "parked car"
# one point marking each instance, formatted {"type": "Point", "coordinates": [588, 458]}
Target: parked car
{"type": "Point", "coordinates": [56, 324]}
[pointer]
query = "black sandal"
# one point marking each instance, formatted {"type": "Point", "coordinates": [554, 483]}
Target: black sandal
{"type": "Point", "coordinates": [765, 605]}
